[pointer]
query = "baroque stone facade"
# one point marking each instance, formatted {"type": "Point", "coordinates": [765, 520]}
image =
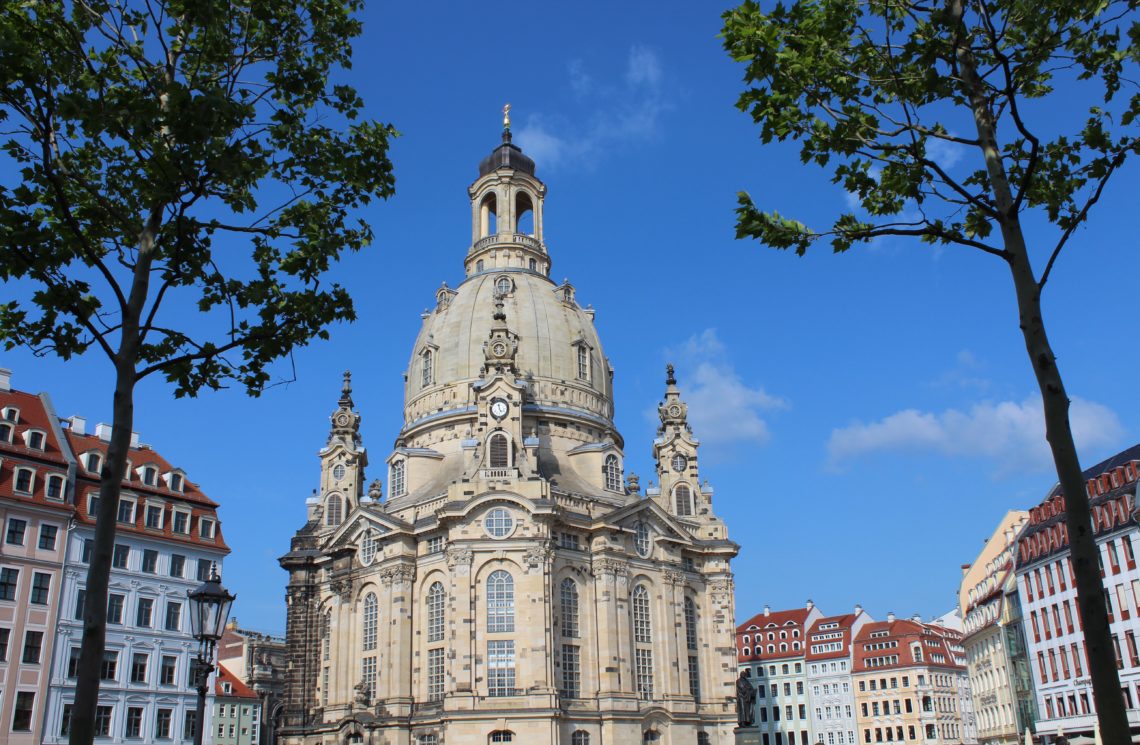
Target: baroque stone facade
{"type": "Point", "coordinates": [513, 585]}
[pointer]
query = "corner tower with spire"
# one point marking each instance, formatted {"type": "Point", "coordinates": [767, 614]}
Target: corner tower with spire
{"type": "Point", "coordinates": [510, 584]}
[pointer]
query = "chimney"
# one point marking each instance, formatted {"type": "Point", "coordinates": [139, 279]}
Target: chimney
{"type": "Point", "coordinates": [5, 379]}
{"type": "Point", "coordinates": [767, 611]}
{"type": "Point", "coordinates": [77, 424]}
{"type": "Point", "coordinates": [103, 432]}
{"type": "Point", "coordinates": [858, 609]}
{"type": "Point", "coordinates": [891, 617]}
{"type": "Point", "coordinates": [810, 604]}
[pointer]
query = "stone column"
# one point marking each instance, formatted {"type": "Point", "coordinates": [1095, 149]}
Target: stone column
{"type": "Point", "coordinates": [460, 631]}
{"type": "Point", "coordinates": [612, 632]}
{"type": "Point", "coordinates": [398, 581]}
{"type": "Point", "coordinates": [676, 653]}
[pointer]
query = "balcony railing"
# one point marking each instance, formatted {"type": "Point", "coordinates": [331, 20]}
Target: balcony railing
{"type": "Point", "coordinates": [508, 238]}
{"type": "Point", "coordinates": [500, 473]}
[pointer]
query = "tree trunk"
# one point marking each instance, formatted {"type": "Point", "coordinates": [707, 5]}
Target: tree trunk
{"type": "Point", "coordinates": [99, 571]}
{"type": "Point", "coordinates": [1107, 697]}
{"type": "Point", "coordinates": [82, 731]}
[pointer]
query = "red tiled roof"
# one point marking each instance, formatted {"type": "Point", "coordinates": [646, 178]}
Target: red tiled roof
{"type": "Point", "coordinates": [845, 623]}
{"type": "Point", "coordinates": [238, 689]}
{"type": "Point", "coordinates": [775, 622]}
{"type": "Point", "coordinates": [33, 414]}
{"type": "Point", "coordinates": [905, 632]}
{"type": "Point", "coordinates": [191, 496]}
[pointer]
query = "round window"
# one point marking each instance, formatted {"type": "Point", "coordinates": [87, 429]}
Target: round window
{"type": "Point", "coordinates": [642, 540]}
{"type": "Point", "coordinates": [498, 523]}
{"type": "Point", "coordinates": [338, 471]}
{"type": "Point", "coordinates": [679, 462]}
{"type": "Point", "coordinates": [503, 285]}
{"type": "Point", "coordinates": [367, 548]}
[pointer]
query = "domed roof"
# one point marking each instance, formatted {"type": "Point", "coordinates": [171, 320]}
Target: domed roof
{"type": "Point", "coordinates": [550, 325]}
{"type": "Point", "coordinates": [506, 155]}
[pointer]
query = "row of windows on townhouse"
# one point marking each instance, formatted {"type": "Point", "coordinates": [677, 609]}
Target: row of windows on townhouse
{"type": "Point", "coordinates": [821, 668]}
{"type": "Point", "coordinates": [144, 617]}
{"type": "Point", "coordinates": [92, 462]}
{"type": "Point", "coordinates": [895, 734]}
{"type": "Point", "coordinates": [133, 723]}
{"type": "Point", "coordinates": [154, 516]}
{"type": "Point", "coordinates": [1065, 704]}
{"type": "Point", "coordinates": [779, 738]}
{"type": "Point", "coordinates": [833, 712]}
{"type": "Point", "coordinates": [579, 737]}
{"type": "Point", "coordinates": [500, 660]}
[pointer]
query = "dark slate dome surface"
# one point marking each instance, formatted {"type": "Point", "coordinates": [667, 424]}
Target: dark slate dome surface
{"type": "Point", "coordinates": [506, 155]}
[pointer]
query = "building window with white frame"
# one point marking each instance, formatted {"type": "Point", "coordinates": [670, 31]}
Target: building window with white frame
{"type": "Point", "coordinates": [397, 486]}
{"type": "Point", "coordinates": [501, 667]}
{"type": "Point", "coordinates": [436, 597]}
{"type": "Point", "coordinates": [500, 602]}
{"type": "Point", "coordinates": [568, 594]}
{"type": "Point", "coordinates": [24, 481]}
{"type": "Point", "coordinates": [642, 629]}
{"type": "Point", "coordinates": [612, 471]}
{"type": "Point", "coordinates": [368, 676]}
{"type": "Point", "coordinates": [55, 486]}
{"type": "Point", "coordinates": [369, 622]}
{"type": "Point", "coordinates": [580, 737]}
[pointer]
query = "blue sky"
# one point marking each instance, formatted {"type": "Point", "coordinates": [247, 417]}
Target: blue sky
{"type": "Point", "coordinates": [866, 419]}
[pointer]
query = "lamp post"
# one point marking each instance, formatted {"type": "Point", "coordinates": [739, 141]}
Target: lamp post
{"type": "Point", "coordinates": [209, 610]}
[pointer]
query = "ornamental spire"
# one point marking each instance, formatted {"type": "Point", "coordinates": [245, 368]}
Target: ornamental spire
{"type": "Point", "coordinates": [673, 411]}
{"type": "Point", "coordinates": [345, 420]}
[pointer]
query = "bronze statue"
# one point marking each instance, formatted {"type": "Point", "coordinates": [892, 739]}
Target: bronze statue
{"type": "Point", "coordinates": [745, 700]}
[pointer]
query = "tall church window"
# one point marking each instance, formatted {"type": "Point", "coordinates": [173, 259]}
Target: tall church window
{"type": "Point", "coordinates": [398, 486]}
{"type": "Point", "coordinates": [435, 669]}
{"type": "Point", "coordinates": [368, 625]}
{"type": "Point", "coordinates": [435, 601]}
{"type": "Point", "coordinates": [642, 541]}
{"type": "Point", "coordinates": [334, 513]}
{"type": "Point", "coordinates": [367, 548]}
{"type": "Point", "coordinates": [583, 362]}
{"type": "Point", "coordinates": [427, 365]}
{"type": "Point", "coordinates": [326, 636]}
{"type": "Point", "coordinates": [581, 737]}
{"type": "Point", "coordinates": [691, 645]}
{"type": "Point", "coordinates": [500, 602]}
{"type": "Point", "coordinates": [643, 662]}
{"type": "Point", "coordinates": [571, 671]}
{"type": "Point", "coordinates": [569, 597]}
{"type": "Point", "coordinates": [613, 473]}
{"type": "Point", "coordinates": [368, 676]}
{"type": "Point", "coordinates": [642, 631]}
{"type": "Point", "coordinates": [683, 497]}
{"type": "Point", "coordinates": [501, 667]}
{"type": "Point", "coordinates": [500, 451]}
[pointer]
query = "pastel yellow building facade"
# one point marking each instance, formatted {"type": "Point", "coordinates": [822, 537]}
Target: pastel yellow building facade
{"type": "Point", "coordinates": [509, 582]}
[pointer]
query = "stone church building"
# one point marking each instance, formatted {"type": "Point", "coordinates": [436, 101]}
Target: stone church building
{"type": "Point", "coordinates": [510, 583]}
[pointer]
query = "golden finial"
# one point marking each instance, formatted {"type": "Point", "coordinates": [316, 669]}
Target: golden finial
{"type": "Point", "coordinates": [507, 116]}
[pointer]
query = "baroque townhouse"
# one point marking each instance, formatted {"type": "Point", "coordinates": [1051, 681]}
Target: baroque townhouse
{"type": "Point", "coordinates": [995, 640]}
{"type": "Point", "coordinates": [772, 647]}
{"type": "Point", "coordinates": [35, 514]}
{"type": "Point", "coordinates": [167, 538]}
{"type": "Point", "coordinates": [911, 684]}
{"type": "Point", "coordinates": [513, 584]}
{"type": "Point", "coordinates": [236, 711]}
{"type": "Point", "coordinates": [259, 661]}
{"type": "Point", "coordinates": [831, 689]}
{"type": "Point", "coordinates": [1048, 596]}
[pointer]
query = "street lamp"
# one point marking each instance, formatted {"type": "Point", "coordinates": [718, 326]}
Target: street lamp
{"type": "Point", "coordinates": [209, 610]}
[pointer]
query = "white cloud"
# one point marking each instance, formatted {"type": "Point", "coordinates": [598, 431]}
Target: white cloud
{"type": "Point", "coordinates": [620, 110]}
{"type": "Point", "coordinates": [723, 408]}
{"type": "Point", "coordinates": [945, 153]}
{"type": "Point", "coordinates": [1009, 432]}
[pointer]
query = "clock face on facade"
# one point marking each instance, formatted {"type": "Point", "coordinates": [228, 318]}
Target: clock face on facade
{"type": "Point", "coordinates": [499, 408]}
{"type": "Point", "coordinates": [679, 462]}
{"type": "Point", "coordinates": [342, 420]}
{"type": "Point", "coordinates": [675, 410]}
{"type": "Point", "coordinates": [499, 349]}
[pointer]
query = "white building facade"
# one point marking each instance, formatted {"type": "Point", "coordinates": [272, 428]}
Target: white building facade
{"type": "Point", "coordinates": [1048, 596]}
{"type": "Point", "coordinates": [167, 539]}
{"type": "Point", "coordinates": [831, 689]}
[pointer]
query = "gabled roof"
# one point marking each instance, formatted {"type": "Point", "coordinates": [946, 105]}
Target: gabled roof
{"type": "Point", "coordinates": [238, 689]}
{"type": "Point", "coordinates": [680, 532]}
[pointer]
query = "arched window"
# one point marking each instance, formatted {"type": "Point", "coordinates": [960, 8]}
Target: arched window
{"type": "Point", "coordinates": [583, 362]}
{"type": "Point", "coordinates": [148, 475]}
{"type": "Point", "coordinates": [6, 429]}
{"type": "Point", "coordinates": [500, 602]}
{"type": "Point", "coordinates": [488, 221]}
{"type": "Point", "coordinates": [613, 473]}
{"type": "Point", "coordinates": [524, 214]}
{"type": "Point", "coordinates": [500, 451]}
{"type": "Point", "coordinates": [479, 265]}
{"type": "Point", "coordinates": [368, 625]}
{"type": "Point", "coordinates": [427, 367]}
{"type": "Point", "coordinates": [397, 487]}
{"type": "Point", "coordinates": [435, 602]}
{"type": "Point", "coordinates": [683, 497]}
{"type": "Point", "coordinates": [569, 596]}
{"type": "Point", "coordinates": [642, 630]}
{"type": "Point", "coordinates": [334, 513]}
{"type": "Point", "coordinates": [93, 462]}
{"type": "Point", "coordinates": [581, 737]}
{"type": "Point", "coordinates": [533, 265]}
